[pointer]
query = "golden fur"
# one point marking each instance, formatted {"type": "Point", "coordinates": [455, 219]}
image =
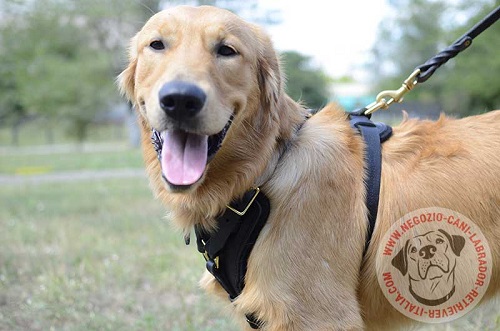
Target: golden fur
{"type": "Point", "coordinates": [304, 271]}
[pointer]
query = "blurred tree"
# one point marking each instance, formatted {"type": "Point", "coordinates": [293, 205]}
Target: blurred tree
{"type": "Point", "coordinates": [416, 30]}
{"type": "Point", "coordinates": [59, 58]}
{"type": "Point", "coordinates": [409, 34]}
{"type": "Point", "coordinates": [305, 83]}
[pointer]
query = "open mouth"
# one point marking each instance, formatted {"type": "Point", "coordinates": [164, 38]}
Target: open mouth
{"type": "Point", "coordinates": [184, 156]}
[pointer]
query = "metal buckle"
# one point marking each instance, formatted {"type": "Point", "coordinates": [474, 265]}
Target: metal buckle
{"type": "Point", "coordinates": [243, 212]}
{"type": "Point", "coordinates": [216, 259]}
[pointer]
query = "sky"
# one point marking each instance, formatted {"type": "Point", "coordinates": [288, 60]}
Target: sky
{"type": "Point", "coordinates": [337, 34]}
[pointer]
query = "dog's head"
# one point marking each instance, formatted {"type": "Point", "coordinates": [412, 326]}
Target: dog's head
{"type": "Point", "coordinates": [429, 255]}
{"type": "Point", "coordinates": [193, 74]}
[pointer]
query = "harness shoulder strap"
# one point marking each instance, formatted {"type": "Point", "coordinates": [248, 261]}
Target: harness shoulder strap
{"type": "Point", "coordinates": [374, 134]}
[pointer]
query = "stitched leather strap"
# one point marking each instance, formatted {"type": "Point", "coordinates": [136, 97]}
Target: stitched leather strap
{"type": "Point", "coordinates": [373, 134]}
{"type": "Point", "coordinates": [227, 250]}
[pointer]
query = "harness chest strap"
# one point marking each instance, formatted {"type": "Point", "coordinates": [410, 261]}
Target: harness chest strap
{"type": "Point", "coordinates": [227, 250]}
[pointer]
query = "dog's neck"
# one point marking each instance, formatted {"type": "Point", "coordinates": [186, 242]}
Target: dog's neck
{"type": "Point", "coordinates": [293, 117]}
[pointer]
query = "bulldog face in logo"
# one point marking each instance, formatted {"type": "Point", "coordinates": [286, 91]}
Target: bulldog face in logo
{"type": "Point", "coordinates": [429, 260]}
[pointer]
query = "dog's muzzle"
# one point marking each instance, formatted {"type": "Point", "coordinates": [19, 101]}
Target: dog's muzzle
{"type": "Point", "coordinates": [183, 156]}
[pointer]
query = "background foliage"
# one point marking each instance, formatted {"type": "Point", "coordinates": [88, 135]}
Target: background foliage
{"type": "Point", "coordinates": [305, 82]}
{"type": "Point", "coordinates": [59, 58]}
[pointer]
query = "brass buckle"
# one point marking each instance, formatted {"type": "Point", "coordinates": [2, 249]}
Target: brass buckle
{"type": "Point", "coordinates": [216, 259]}
{"type": "Point", "coordinates": [243, 212]}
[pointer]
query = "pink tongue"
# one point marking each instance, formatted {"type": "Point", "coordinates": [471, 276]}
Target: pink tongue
{"type": "Point", "coordinates": [183, 157]}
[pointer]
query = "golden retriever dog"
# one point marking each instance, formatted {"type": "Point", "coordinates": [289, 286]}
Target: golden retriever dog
{"type": "Point", "coordinates": [211, 84]}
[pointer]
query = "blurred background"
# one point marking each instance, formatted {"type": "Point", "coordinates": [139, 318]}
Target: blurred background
{"type": "Point", "coordinates": [83, 244]}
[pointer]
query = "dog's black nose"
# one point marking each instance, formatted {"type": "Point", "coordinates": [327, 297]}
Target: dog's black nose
{"type": "Point", "coordinates": [427, 252]}
{"type": "Point", "coordinates": [181, 100]}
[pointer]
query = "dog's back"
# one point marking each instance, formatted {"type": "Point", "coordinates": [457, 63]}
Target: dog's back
{"type": "Point", "coordinates": [452, 163]}
{"type": "Point", "coordinates": [449, 163]}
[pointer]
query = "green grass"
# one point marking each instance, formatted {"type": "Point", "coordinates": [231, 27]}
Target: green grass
{"type": "Point", "coordinates": [100, 255]}
{"type": "Point", "coordinates": [97, 256]}
{"type": "Point", "coordinates": [23, 163]}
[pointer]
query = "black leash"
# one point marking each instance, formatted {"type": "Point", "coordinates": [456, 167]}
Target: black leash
{"type": "Point", "coordinates": [462, 43]}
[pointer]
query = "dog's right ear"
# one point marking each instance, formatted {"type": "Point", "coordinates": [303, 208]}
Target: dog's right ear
{"type": "Point", "coordinates": [126, 80]}
{"type": "Point", "coordinates": [269, 73]}
{"type": "Point", "coordinates": [400, 261]}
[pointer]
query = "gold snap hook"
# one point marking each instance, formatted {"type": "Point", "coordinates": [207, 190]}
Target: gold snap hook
{"type": "Point", "coordinates": [386, 98]}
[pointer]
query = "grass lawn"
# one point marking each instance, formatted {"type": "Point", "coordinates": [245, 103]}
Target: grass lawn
{"type": "Point", "coordinates": [97, 255]}
{"type": "Point", "coordinates": [26, 164]}
{"type": "Point", "coordinates": [100, 255]}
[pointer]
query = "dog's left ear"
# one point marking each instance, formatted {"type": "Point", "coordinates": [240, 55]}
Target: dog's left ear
{"type": "Point", "coordinates": [126, 80]}
{"type": "Point", "coordinates": [400, 261]}
{"type": "Point", "coordinates": [457, 242]}
{"type": "Point", "coordinates": [269, 73]}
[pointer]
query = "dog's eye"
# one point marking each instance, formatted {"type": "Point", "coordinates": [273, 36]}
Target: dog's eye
{"type": "Point", "coordinates": [413, 250]}
{"type": "Point", "coordinates": [157, 45]}
{"type": "Point", "coordinates": [225, 50]}
{"type": "Point", "coordinates": [439, 241]}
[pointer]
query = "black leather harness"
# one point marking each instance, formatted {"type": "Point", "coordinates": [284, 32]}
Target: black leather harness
{"type": "Point", "coordinates": [374, 134]}
{"type": "Point", "coordinates": [228, 249]}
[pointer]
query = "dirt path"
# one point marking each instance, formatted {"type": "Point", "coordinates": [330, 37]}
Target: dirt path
{"type": "Point", "coordinates": [68, 176]}
{"type": "Point", "coordinates": [63, 148]}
